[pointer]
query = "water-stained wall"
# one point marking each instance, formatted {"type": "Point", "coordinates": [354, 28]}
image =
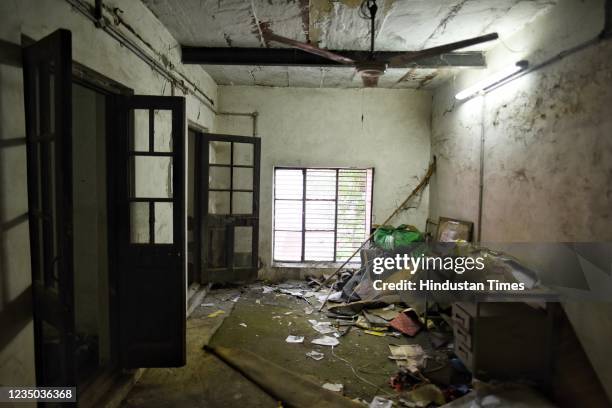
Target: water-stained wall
{"type": "Point", "coordinates": [547, 168]}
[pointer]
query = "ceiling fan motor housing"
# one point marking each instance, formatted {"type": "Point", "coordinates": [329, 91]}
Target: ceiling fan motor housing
{"type": "Point", "coordinates": [371, 68]}
{"type": "Point", "coordinates": [370, 71]}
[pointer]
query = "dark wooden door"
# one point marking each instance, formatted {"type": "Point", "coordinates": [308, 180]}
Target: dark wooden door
{"type": "Point", "coordinates": [47, 74]}
{"type": "Point", "coordinates": [150, 184]}
{"type": "Point", "coordinates": [229, 207]}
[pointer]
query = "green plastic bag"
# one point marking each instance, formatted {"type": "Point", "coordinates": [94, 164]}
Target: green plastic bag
{"type": "Point", "coordinates": [389, 238]}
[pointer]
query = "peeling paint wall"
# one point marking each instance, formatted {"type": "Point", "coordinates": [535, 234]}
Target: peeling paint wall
{"type": "Point", "coordinates": [548, 151]}
{"type": "Point", "coordinates": [95, 49]}
{"type": "Point", "coordinates": [385, 129]}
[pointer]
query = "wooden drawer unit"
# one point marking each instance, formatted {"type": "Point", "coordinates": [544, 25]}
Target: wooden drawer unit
{"type": "Point", "coordinates": [502, 340]}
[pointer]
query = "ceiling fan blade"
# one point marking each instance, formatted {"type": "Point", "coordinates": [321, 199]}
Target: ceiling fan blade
{"type": "Point", "coordinates": [270, 36]}
{"type": "Point", "coordinates": [412, 56]}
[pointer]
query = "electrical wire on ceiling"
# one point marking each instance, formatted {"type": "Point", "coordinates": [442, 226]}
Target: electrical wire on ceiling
{"type": "Point", "coordinates": [366, 9]}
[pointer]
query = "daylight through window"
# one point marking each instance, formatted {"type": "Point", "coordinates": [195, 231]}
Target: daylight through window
{"type": "Point", "coordinates": [320, 214]}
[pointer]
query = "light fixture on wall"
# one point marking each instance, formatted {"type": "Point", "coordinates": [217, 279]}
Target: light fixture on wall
{"type": "Point", "coordinates": [495, 80]}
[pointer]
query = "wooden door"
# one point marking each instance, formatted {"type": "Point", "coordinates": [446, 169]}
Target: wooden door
{"type": "Point", "coordinates": [229, 207]}
{"type": "Point", "coordinates": [47, 74]}
{"type": "Point", "coordinates": [151, 214]}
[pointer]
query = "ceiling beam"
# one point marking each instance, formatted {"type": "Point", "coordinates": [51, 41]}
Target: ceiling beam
{"type": "Point", "coordinates": [298, 58]}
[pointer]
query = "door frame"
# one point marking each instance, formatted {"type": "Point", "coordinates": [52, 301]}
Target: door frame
{"type": "Point", "coordinates": [197, 197]}
{"type": "Point", "coordinates": [97, 82]}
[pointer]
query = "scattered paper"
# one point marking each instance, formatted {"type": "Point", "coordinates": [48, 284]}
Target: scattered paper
{"type": "Point", "coordinates": [292, 292]}
{"type": "Point", "coordinates": [322, 327]}
{"type": "Point", "coordinates": [243, 324]}
{"type": "Point", "coordinates": [335, 297]}
{"type": "Point", "coordinates": [334, 387]}
{"type": "Point", "coordinates": [258, 301]}
{"type": "Point", "coordinates": [410, 356]}
{"type": "Point", "coordinates": [294, 339]}
{"type": "Point", "coordinates": [267, 289]}
{"type": "Point", "coordinates": [217, 313]}
{"type": "Point", "coordinates": [235, 299]}
{"type": "Point", "coordinates": [308, 310]}
{"type": "Point", "coordinates": [326, 341]}
{"type": "Point", "coordinates": [380, 402]}
{"type": "Point", "coordinates": [207, 304]}
{"type": "Point", "coordinates": [321, 296]}
{"type": "Point", "coordinates": [315, 355]}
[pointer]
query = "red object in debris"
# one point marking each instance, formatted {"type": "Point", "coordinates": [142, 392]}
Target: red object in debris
{"type": "Point", "coordinates": [407, 322]}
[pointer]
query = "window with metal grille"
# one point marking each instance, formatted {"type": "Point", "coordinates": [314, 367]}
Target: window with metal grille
{"type": "Point", "coordinates": [320, 214]}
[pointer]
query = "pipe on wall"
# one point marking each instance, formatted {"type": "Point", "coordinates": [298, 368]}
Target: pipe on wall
{"type": "Point", "coordinates": [481, 169]}
{"type": "Point", "coordinates": [176, 78]}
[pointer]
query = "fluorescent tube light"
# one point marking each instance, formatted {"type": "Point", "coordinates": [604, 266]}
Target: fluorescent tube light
{"type": "Point", "coordinates": [493, 81]}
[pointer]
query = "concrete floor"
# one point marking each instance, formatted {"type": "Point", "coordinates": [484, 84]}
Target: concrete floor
{"type": "Point", "coordinates": [269, 318]}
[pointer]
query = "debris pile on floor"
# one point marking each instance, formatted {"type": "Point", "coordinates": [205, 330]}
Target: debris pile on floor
{"type": "Point", "coordinates": [415, 334]}
{"type": "Point", "coordinates": [427, 375]}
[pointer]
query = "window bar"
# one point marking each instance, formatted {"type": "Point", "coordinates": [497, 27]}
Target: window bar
{"type": "Point", "coordinates": [151, 222]}
{"type": "Point", "coordinates": [303, 214]}
{"type": "Point", "coordinates": [151, 130]}
{"type": "Point", "coordinates": [231, 193]}
{"type": "Point", "coordinates": [336, 215]}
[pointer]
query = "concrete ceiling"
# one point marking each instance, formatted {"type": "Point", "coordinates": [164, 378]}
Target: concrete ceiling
{"type": "Point", "coordinates": [336, 24]}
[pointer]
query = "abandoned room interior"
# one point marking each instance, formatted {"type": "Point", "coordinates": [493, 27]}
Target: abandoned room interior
{"type": "Point", "coordinates": [206, 203]}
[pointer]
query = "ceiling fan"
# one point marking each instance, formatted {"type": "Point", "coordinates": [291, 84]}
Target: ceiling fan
{"type": "Point", "coordinates": [372, 69]}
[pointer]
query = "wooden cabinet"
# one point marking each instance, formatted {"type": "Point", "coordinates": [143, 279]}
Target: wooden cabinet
{"type": "Point", "coordinates": [503, 340]}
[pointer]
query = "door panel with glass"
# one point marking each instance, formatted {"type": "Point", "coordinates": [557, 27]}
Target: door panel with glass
{"type": "Point", "coordinates": [151, 214]}
{"type": "Point", "coordinates": [47, 72]}
{"type": "Point", "coordinates": [229, 207]}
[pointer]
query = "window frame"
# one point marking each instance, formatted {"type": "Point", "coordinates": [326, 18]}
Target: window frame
{"type": "Point", "coordinates": [310, 263]}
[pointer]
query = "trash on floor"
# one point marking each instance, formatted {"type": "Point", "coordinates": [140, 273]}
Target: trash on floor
{"type": "Point", "coordinates": [315, 355]}
{"type": "Point", "coordinates": [326, 341]}
{"type": "Point", "coordinates": [424, 395]}
{"type": "Point", "coordinates": [243, 324]}
{"type": "Point", "coordinates": [407, 322]}
{"type": "Point", "coordinates": [380, 402]}
{"type": "Point", "coordinates": [217, 313]}
{"type": "Point", "coordinates": [375, 333]}
{"type": "Point", "coordinates": [333, 387]}
{"type": "Point", "coordinates": [363, 323]}
{"type": "Point", "coordinates": [322, 327]}
{"type": "Point", "coordinates": [294, 339]}
{"type": "Point", "coordinates": [387, 313]}
{"type": "Point", "coordinates": [501, 395]}
{"type": "Point", "coordinates": [411, 356]}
